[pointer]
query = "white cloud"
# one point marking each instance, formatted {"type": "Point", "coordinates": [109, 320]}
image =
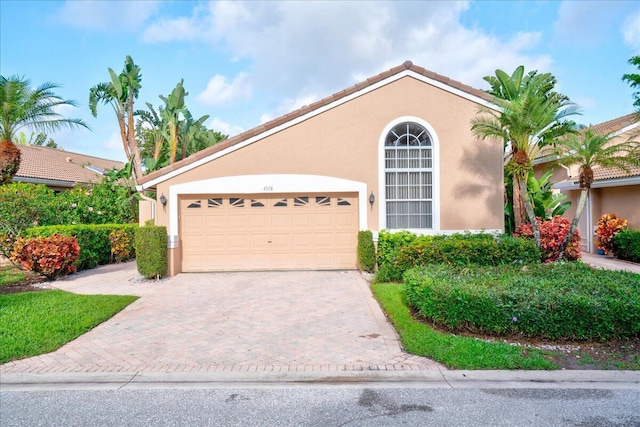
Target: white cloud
{"type": "Point", "coordinates": [299, 48]}
{"type": "Point", "coordinates": [219, 90]}
{"type": "Point", "coordinates": [631, 30]}
{"type": "Point", "coordinates": [287, 106]}
{"type": "Point", "coordinates": [99, 15]}
{"type": "Point", "coordinates": [224, 127]}
{"type": "Point", "coordinates": [179, 29]}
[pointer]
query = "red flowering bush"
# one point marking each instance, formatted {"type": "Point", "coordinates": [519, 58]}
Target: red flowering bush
{"type": "Point", "coordinates": [608, 226]}
{"type": "Point", "coordinates": [552, 233]}
{"type": "Point", "coordinates": [50, 256]}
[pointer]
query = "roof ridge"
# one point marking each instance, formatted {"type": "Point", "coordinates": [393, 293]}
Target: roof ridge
{"type": "Point", "coordinates": [68, 152]}
{"type": "Point", "coordinates": [305, 109]}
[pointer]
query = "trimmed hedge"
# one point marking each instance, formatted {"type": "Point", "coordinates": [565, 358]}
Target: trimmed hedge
{"type": "Point", "coordinates": [626, 245]}
{"type": "Point", "coordinates": [552, 301]}
{"type": "Point", "coordinates": [93, 239]}
{"type": "Point", "coordinates": [406, 250]}
{"type": "Point", "coordinates": [366, 251]}
{"type": "Point", "coordinates": [151, 250]}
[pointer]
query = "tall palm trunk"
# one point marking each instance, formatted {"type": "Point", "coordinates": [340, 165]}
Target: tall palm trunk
{"type": "Point", "coordinates": [9, 161]}
{"type": "Point", "coordinates": [528, 206]}
{"type": "Point", "coordinates": [574, 223]}
{"type": "Point", "coordinates": [519, 213]}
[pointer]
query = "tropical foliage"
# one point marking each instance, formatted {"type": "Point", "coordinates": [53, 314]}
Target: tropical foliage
{"type": "Point", "coordinates": [24, 107]}
{"type": "Point", "coordinates": [634, 81]}
{"type": "Point", "coordinates": [170, 133]}
{"type": "Point", "coordinates": [121, 93]}
{"type": "Point", "coordinates": [529, 116]}
{"type": "Point", "coordinates": [608, 226]}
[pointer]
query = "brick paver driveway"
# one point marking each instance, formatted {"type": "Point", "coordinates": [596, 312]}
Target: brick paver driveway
{"type": "Point", "coordinates": [253, 321]}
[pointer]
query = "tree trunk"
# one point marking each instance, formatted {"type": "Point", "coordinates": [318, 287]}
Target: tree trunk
{"type": "Point", "coordinates": [574, 223]}
{"type": "Point", "coordinates": [526, 201]}
{"type": "Point", "coordinates": [9, 161]}
{"type": "Point", "coordinates": [131, 141]}
{"type": "Point", "coordinates": [519, 213]}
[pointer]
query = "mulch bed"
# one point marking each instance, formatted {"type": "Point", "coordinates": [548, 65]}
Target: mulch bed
{"type": "Point", "coordinates": [33, 283]}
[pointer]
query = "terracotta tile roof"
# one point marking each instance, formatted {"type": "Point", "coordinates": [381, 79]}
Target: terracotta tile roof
{"type": "Point", "coordinates": [42, 163]}
{"type": "Point", "coordinates": [407, 65]}
{"type": "Point", "coordinates": [600, 174]}
{"type": "Point", "coordinates": [615, 124]}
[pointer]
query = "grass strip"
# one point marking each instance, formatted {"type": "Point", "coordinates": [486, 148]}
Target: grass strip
{"type": "Point", "coordinates": [10, 275]}
{"type": "Point", "coordinates": [34, 323]}
{"type": "Point", "coordinates": [453, 351]}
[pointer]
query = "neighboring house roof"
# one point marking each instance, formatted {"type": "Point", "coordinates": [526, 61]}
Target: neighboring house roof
{"type": "Point", "coordinates": [305, 112]}
{"type": "Point", "coordinates": [611, 176]}
{"type": "Point", "coordinates": [58, 168]}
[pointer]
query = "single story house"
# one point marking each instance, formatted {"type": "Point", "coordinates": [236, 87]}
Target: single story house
{"type": "Point", "coordinates": [59, 169]}
{"type": "Point", "coordinates": [393, 152]}
{"type": "Point", "coordinates": [613, 190]}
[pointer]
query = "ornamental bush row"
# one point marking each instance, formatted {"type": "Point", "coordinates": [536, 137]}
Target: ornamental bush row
{"type": "Point", "coordinates": [96, 247]}
{"type": "Point", "coordinates": [398, 252]}
{"type": "Point", "coordinates": [552, 301]}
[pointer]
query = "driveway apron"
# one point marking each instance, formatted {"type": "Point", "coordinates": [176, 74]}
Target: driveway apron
{"type": "Point", "coordinates": [244, 321]}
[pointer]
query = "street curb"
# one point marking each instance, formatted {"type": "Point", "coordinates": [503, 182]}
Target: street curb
{"type": "Point", "coordinates": [423, 379]}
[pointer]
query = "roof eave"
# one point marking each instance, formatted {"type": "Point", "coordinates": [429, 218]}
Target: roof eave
{"type": "Point", "coordinates": [254, 135]}
{"type": "Point", "coordinates": [605, 183]}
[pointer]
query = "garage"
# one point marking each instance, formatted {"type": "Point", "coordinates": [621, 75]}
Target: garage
{"type": "Point", "coordinates": [288, 231]}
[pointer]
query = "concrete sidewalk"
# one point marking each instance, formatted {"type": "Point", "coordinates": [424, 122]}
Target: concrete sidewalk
{"type": "Point", "coordinates": [613, 380]}
{"type": "Point", "coordinates": [609, 263]}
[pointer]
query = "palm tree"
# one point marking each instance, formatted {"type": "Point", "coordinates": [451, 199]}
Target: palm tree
{"type": "Point", "coordinates": [534, 118]}
{"type": "Point", "coordinates": [509, 88]}
{"type": "Point", "coordinates": [590, 150]}
{"type": "Point", "coordinates": [20, 107]}
{"type": "Point", "coordinates": [120, 93]}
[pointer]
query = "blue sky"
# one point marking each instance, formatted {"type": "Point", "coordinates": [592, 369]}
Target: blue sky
{"type": "Point", "coordinates": [245, 63]}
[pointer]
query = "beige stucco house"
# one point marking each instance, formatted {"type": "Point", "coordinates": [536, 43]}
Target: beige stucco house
{"type": "Point", "coordinates": [613, 190]}
{"type": "Point", "coordinates": [393, 152]}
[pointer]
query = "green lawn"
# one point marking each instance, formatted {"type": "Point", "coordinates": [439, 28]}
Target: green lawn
{"type": "Point", "coordinates": [10, 275]}
{"type": "Point", "coordinates": [453, 351]}
{"type": "Point", "coordinates": [34, 323]}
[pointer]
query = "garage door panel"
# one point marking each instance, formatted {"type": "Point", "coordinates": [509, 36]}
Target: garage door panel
{"type": "Point", "coordinates": [275, 232]}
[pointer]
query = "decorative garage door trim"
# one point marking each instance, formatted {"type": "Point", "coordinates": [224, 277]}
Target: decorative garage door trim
{"type": "Point", "coordinates": [265, 184]}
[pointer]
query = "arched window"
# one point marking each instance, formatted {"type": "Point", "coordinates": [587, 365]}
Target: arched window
{"type": "Point", "coordinates": [408, 170]}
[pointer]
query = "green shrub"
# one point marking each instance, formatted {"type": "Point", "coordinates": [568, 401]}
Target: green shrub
{"type": "Point", "coordinates": [455, 249]}
{"type": "Point", "coordinates": [151, 250]}
{"type": "Point", "coordinates": [95, 246]}
{"type": "Point", "coordinates": [366, 251]}
{"type": "Point", "coordinates": [626, 245]}
{"type": "Point", "coordinates": [551, 301]}
{"type": "Point", "coordinates": [51, 256]}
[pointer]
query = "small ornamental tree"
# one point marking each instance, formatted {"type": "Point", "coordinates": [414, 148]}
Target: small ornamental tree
{"type": "Point", "coordinates": [552, 234]}
{"type": "Point", "coordinates": [50, 256]}
{"type": "Point", "coordinates": [608, 226]}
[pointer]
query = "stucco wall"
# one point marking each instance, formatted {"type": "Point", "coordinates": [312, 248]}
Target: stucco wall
{"type": "Point", "coordinates": [344, 142]}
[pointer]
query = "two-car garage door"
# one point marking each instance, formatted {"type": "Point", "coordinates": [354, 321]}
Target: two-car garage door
{"type": "Point", "coordinates": [269, 232]}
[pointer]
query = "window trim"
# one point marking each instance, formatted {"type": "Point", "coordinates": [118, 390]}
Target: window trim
{"type": "Point", "coordinates": [382, 204]}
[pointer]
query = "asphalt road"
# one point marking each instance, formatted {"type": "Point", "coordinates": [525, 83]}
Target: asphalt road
{"type": "Point", "coordinates": [322, 405]}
